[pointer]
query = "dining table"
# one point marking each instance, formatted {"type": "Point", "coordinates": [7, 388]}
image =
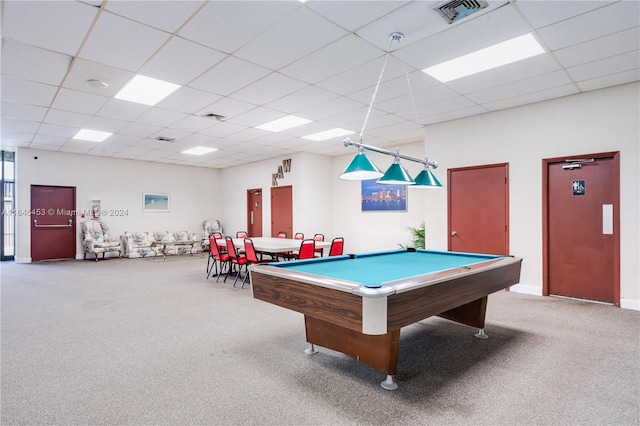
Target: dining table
{"type": "Point", "coordinates": [272, 245]}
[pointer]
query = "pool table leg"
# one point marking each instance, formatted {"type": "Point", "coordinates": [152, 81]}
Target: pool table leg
{"type": "Point", "coordinates": [311, 350]}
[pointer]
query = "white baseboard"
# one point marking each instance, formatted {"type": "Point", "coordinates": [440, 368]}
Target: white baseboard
{"type": "Point", "coordinates": [526, 289]}
{"type": "Point", "coordinates": [630, 304]}
{"type": "Point", "coordinates": [23, 260]}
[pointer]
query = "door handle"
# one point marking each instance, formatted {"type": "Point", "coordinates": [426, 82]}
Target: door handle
{"type": "Point", "coordinates": [252, 217]}
{"type": "Point", "coordinates": [454, 233]}
{"type": "Point", "coordinates": [35, 225]}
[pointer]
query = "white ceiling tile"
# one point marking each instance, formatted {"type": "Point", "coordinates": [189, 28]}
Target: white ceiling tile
{"type": "Point", "coordinates": [228, 76]}
{"type": "Point", "coordinates": [270, 88]}
{"type": "Point", "coordinates": [161, 117]}
{"type": "Point", "coordinates": [255, 117]}
{"type": "Point", "coordinates": [227, 107]}
{"type": "Point", "coordinates": [598, 23]}
{"type": "Point", "coordinates": [189, 100]}
{"type": "Point", "coordinates": [28, 92]}
{"type": "Point", "coordinates": [192, 124]}
{"type": "Point", "coordinates": [165, 15]}
{"type": "Point", "coordinates": [353, 15]}
{"type": "Point", "coordinates": [222, 129]}
{"type": "Point", "coordinates": [105, 124]}
{"type": "Point", "coordinates": [32, 63]}
{"type": "Point", "coordinates": [113, 35]}
{"type": "Point", "coordinates": [521, 87]}
{"type": "Point", "coordinates": [226, 26]}
{"type": "Point", "coordinates": [17, 138]}
{"type": "Point", "coordinates": [610, 80]}
{"type": "Point", "coordinates": [465, 38]}
{"type": "Point", "coordinates": [604, 47]}
{"type": "Point", "coordinates": [23, 111]}
{"type": "Point", "coordinates": [301, 99]}
{"type": "Point", "coordinates": [297, 35]}
{"type": "Point", "coordinates": [344, 54]}
{"type": "Point", "coordinates": [543, 13]}
{"type": "Point", "coordinates": [362, 76]}
{"type": "Point", "coordinates": [123, 140]}
{"type": "Point", "coordinates": [122, 110]}
{"type": "Point", "coordinates": [604, 67]}
{"type": "Point", "coordinates": [50, 140]}
{"type": "Point", "coordinates": [66, 118]}
{"type": "Point", "coordinates": [56, 130]}
{"type": "Point", "coordinates": [59, 26]}
{"type": "Point", "coordinates": [527, 98]}
{"type": "Point", "coordinates": [171, 133]}
{"type": "Point", "coordinates": [139, 130]}
{"type": "Point", "coordinates": [72, 100]}
{"type": "Point", "coordinates": [82, 71]}
{"type": "Point", "coordinates": [180, 61]}
{"type": "Point", "coordinates": [333, 107]}
{"type": "Point", "coordinates": [19, 126]}
{"type": "Point", "coordinates": [416, 20]}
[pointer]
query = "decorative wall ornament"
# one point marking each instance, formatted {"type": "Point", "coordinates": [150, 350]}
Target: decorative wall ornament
{"type": "Point", "coordinates": [285, 168]}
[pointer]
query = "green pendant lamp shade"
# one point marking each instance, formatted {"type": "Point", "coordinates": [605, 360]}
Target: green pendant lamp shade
{"type": "Point", "coordinates": [361, 168]}
{"type": "Point", "coordinates": [426, 180]}
{"type": "Point", "coordinates": [396, 175]}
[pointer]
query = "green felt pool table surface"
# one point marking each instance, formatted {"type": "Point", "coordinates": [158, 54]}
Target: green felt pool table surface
{"type": "Point", "coordinates": [374, 269]}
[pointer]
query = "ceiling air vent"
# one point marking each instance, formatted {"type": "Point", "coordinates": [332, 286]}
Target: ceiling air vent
{"type": "Point", "coordinates": [165, 139]}
{"type": "Point", "coordinates": [455, 10]}
{"type": "Point", "coordinates": [214, 116]}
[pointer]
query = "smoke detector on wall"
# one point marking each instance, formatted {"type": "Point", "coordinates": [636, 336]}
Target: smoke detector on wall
{"type": "Point", "coordinates": [455, 10]}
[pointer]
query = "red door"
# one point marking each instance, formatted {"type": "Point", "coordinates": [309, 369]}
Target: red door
{"type": "Point", "coordinates": [282, 210]}
{"type": "Point", "coordinates": [254, 212]}
{"type": "Point", "coordinates": [53, 222]}
{"type": "Point", "coordinates": [478, 209]}
{"type": "Point", "coordinates": [581, 228]}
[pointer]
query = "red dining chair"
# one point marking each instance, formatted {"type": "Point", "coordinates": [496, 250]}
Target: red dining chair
{"type": "Point", "coordinates": [252, 257]}
{"type": "Point", "coordinates": [234, 259]}
{"type": "Point", "coordinates": [307, 249]}
{"type": "Point", "coordinates": [316, 238]}
{"type": "Point", "coordinates": [218, 236]}
{"type": "Point", "coordinates": [241, 234]}
{"type": "Point", "coordinates": [217, 257]}
{"type": "Point", "coordinates": [337, 245]}
{"type": "Point", "coordinates": [292, 254]}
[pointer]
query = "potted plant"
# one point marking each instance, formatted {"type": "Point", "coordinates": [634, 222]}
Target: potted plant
{"type": "Point", "coordinates": [417, 236]}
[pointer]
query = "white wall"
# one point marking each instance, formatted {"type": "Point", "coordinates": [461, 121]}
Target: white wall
{"type": "Point", "coordinates": [118, 184]}
{"type": "Point", "coordinates": [599, 121]}
{"type": "Point", "coordinates": [310, 178]}
{"type": "Point", "coordinates": [373, 231]}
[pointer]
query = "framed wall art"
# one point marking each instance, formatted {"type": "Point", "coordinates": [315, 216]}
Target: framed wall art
{"type": "Point", "coordinates": [155, 202]}
{"type": "Point", "coordinates": [379, 197]}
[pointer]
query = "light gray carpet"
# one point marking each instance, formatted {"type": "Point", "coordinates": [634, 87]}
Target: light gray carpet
{"type": "Point", "coordinates": [146, 342]}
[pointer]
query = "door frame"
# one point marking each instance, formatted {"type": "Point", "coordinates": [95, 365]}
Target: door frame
{"type": "Point", "coordinates": [546, 162]}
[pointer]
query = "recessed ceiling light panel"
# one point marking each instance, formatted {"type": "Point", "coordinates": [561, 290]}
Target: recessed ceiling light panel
{"type": "Point", "coordinates": [199, 150]}
{"type": "Point", "coordinates": [504, 53]}
{"type": "Point", "coordinates": [284, 123]}
{"type": "Point", "coordinates": [91, 135]}
{"type": "Point", "coordinates": [146, 90]}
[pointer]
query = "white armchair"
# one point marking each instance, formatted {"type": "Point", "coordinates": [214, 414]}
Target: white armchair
{"type": "Point", "coordinates": [96, 239]}
{"type": "Point", "coordinates": [209, 226]}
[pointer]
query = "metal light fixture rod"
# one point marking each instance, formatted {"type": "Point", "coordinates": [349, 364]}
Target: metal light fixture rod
{"type": "Point", "coordinates": [348, 142]}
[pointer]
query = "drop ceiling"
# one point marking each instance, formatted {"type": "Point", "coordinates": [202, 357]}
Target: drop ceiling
{"type": "Point", "coordinates": [256, 61]}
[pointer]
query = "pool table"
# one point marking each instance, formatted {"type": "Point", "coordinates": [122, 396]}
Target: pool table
{"type": "Point", "coordinates": [356, 304]}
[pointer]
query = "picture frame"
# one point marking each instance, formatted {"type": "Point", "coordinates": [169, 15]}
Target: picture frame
{"type": "Point", "coordinates": [154, 202]}
{"type": "Point", "coordinates": [376, 197]}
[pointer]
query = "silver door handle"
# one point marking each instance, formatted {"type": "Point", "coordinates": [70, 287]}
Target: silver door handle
{"type": "Point", "coordinates": [35, 225]}
{"type": "Point", "coordinates": [454, 233]}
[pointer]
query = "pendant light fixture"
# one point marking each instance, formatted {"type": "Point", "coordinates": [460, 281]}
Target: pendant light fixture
{"type": "Point", "coordinates": [361, 168]}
